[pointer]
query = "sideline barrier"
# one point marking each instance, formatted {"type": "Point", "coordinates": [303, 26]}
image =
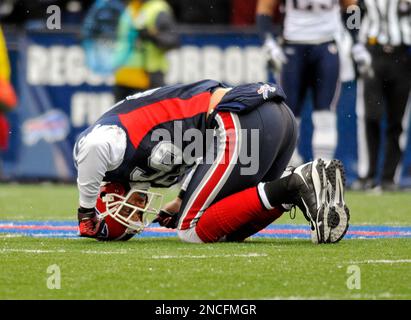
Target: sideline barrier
{"type": "Point", "coordinates": [59, 96]}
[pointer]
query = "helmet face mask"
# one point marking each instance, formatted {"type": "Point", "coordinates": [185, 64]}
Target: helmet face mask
{"type": "Point", "coordinates": [125, 214]}
{"type": "Point", "coordinates": [135, 211]}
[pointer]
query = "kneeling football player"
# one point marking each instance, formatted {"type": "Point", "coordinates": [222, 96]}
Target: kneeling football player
{"type": "Point", "coordinates": [228, 146]}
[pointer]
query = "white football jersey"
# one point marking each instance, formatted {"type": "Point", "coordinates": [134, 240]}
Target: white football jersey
{"type": "Point", "coordinates": [311, 21]}
{"type": "Point", "coordinates": [99, 151]}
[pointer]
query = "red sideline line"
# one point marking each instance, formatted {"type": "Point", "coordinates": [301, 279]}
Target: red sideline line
{"type": "Point", "coordinates": [362, 233]}
{"type": "Point", "coordinates": [284, 231]}
{"type": "Point", "coordinates": [301, 231]}
{"type": "Point", "coordinates": [164, 230]}
{"type": "Point", "coordinates": [379, 233]}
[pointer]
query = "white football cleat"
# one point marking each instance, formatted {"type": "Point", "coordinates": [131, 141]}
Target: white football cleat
{"type": "Point", "coordinates": [311, 199]}
{"type": "Point", "coordinates": [336, 214]}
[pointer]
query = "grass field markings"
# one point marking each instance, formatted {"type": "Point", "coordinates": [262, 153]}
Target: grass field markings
{"type": "Point", "coordinates": [384, 295]}
{"type": "Point", "coordinates": [206, 256]}
{"type": "Point", "coordinates": [37, 227]}
{"type": "Point", "coordinates": [72, 225]}
{"type": "Point", "coordinates": [104, 252]}
{"type": "Point", "coordinates": [68, 229]}
{"type": "Point", "coordinates": [11, 235]}
{"type": "Point", "coordinates": [379, 233]}
{"type": "Point", "coordinates": [285, 231]}
{"type": "Point", "coordinates": [36, 251]}
{"type": "Point", "coordinates": [380, 261]}
{"type": "Point", "coordinates": [326, 297]}
{"type": "Point", "coordinates": [54, 235]}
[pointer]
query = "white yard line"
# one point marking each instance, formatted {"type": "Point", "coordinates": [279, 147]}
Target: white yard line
{"type": "Point", "coordinates": [36, 251]}
{"type": "Point", "coordinates": [103, 252]}
{"type": "Point", "coordinates": [6, 250]}
{"type": "Point", "coordinates": [11, 235]}
{"type": "Point", "coordinates": [381, 261]}
{"type": "Point", "coordinates": [204, 256]}
{"type": "Point", "coordinates": [53, 235]}
{"type": "Point", "coordinates": [384, 295]}
{"type": "Point", "coordinates": [297, 298]}
{"type": "Point", "coordinates": [31, 251]}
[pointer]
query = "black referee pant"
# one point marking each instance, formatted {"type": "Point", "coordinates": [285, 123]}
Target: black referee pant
{"type": "Point", "coordinates": [387, 92]}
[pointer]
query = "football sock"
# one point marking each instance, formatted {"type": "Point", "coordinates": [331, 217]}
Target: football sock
{"type": "Point", "coordinates": [276, 193]}
{"type": "Point", "coordinates": [296, 159]}
{"type": "Point", "coordinates": [325, 134]}
{"type": "Point", "coordinates": [232, 214]}
{"type": "Point", "coordinates": [262, 220]}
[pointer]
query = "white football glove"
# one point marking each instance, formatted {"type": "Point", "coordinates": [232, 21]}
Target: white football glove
{"type": "Point", "coordinates": [362, 59]}
{"type": "Point", "coordinates": [275, 54]}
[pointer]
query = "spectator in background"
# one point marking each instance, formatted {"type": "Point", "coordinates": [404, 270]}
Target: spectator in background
{"type": "Point", "coordinates": [8, 98]}
{"type": "Point", "coordinates": [386, 30]}
{"type": "Point", "coordinates": [146, 65]}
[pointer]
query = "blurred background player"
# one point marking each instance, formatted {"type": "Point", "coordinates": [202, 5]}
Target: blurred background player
{"type": "Point", "coordinates": [308, 59]}
{"type": "Point", "coordinates": [8, 98]}
{"type": "Point", "coordinates": [146, 65]}
{"type": "Point", "coordinates": [386, 30]}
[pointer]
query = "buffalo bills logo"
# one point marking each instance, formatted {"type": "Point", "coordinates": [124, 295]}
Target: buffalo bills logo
{"type": "Point", "coordinates": [52, 126]}
{"type": "Point", "coordinates": [265, 89]}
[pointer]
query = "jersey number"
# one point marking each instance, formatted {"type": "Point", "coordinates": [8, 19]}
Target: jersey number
{"type": "Point", "coordinates": [166, 160]}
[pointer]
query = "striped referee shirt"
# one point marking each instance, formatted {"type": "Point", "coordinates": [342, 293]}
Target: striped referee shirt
{"type": "Point", "coordinates": [386, 22]}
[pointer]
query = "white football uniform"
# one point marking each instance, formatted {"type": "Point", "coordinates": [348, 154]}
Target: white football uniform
{"type": "Point", "coordinates": [311, 21]}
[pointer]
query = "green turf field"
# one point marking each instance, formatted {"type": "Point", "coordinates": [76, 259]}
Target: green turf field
{"type": "Point", "coordinates": [165, 268]}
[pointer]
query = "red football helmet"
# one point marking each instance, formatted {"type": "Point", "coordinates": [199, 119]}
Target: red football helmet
{"type": "Point", "coordinates": [125, 213]}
